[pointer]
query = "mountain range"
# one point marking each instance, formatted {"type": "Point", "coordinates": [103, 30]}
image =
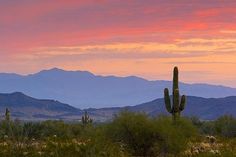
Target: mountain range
{"type": "Point", "coordinates": [27, 108]}
{"type": "Point", "coordinates": [83, 89]}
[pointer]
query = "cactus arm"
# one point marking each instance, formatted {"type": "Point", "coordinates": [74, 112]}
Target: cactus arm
{"type": "Point", "coordinates": [167, 100]}
{"type": "Point", "coordinates": [182, 103]}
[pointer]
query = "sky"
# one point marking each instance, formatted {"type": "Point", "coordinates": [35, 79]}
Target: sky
{"type": "Point", "coordinates": [146, 38]}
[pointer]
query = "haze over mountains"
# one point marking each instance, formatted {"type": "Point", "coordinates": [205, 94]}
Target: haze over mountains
{"type": "Point", "coordinates": [83, 89]}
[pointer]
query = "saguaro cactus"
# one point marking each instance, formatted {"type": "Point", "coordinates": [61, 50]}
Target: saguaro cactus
{"type": "Point", "coordinates": [178, 105]}
{"type": "Point", "coordinates": [7, 115]}
{"type": "Point", "coordinates": [86, 119]}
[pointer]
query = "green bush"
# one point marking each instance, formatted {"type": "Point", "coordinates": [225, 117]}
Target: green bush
{"type": "Point", "coordinates": [175, 135]}
{"type": "Point", "coordinates": [143, 136]}
{"type": "Point", "coordinates": [135, 132]}
{"type": "Point", "coordinates": [226, 126]}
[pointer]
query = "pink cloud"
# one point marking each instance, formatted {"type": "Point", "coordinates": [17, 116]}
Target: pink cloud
{"type": "Point", "coordinates": [29, 24]}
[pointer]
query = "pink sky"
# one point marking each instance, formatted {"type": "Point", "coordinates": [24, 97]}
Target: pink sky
{"type": "Point", "coordinates": [132, 37]}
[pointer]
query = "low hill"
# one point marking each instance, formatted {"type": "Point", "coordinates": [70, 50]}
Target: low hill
{"type": "Point", "coordinates": [27, 108]}
{"type": "Point", "coordinates": [204, 108]}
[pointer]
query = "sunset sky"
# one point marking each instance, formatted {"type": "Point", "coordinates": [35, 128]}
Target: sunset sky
{"type": "Point", "coordinates": [121, 37]}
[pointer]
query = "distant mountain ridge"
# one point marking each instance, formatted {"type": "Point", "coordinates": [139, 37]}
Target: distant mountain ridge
{"type": "Point", "coordinates": [24, 107]}
{"type": "Point", "coordinates": [83, 89]}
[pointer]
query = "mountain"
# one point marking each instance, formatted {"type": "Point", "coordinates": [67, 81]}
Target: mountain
{"type": "Point", "coordinates": [204, 108]}
{"type": "Point", "coordinates": [27, 108]}
{"type": "Point", "coordinates": [83, 89]}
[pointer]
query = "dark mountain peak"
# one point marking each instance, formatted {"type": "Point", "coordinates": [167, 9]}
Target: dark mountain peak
{"type": "Point", "coordinates": [19, 94]}
{"type": "Point", "coordinates": [53, 70]}
{"type": "Point", "coordinates": [135, 78]}
{"type": "Point", "coordinates": [61, 72]}
{"type": "Point", "coordinates": [15, 98]}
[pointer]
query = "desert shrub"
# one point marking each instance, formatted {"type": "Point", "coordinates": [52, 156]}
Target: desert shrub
{"type": "Point", "coordinates": [135, 132]}
{"type": "Point", "coordinates": [60, 129]}
{"type": "Point", "coordinates": [226, 126]}
{"type": "Point", "coordinates": [32, 130]}
{"type": "Point", "coordinates": [92, 142]}
{"type": "Point", "coordinates": [76, 129]}
{"type": "Point", "coordinates": [196, 121]}
{"type": "Point", "coordinates": [55, 128]}
{"type": "Point", "coordinates": [143, 136]}
{"type": "Point", "coordinates": [98, 144]}
{"type": "Point", "coordinates": [207, 128]}
{"type": "Point", "coordinates": [11, 129]}
{"type": "Point", "coordinates": [175, 135]}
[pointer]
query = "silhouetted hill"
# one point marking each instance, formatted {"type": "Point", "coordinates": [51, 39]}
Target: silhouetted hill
{"type": "Point", "coordinates": [204, 108]}
{"type": "Point", "coordinates": [83, 89]}
{"type": "Point", "coordinates": [28, 108]}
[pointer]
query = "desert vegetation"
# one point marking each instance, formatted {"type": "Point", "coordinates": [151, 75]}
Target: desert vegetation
{"type": "Point", "coordinates": [129, 134]}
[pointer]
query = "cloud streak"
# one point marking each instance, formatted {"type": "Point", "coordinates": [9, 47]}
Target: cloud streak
{"type": "Point", "coordinates": [181, 48]}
